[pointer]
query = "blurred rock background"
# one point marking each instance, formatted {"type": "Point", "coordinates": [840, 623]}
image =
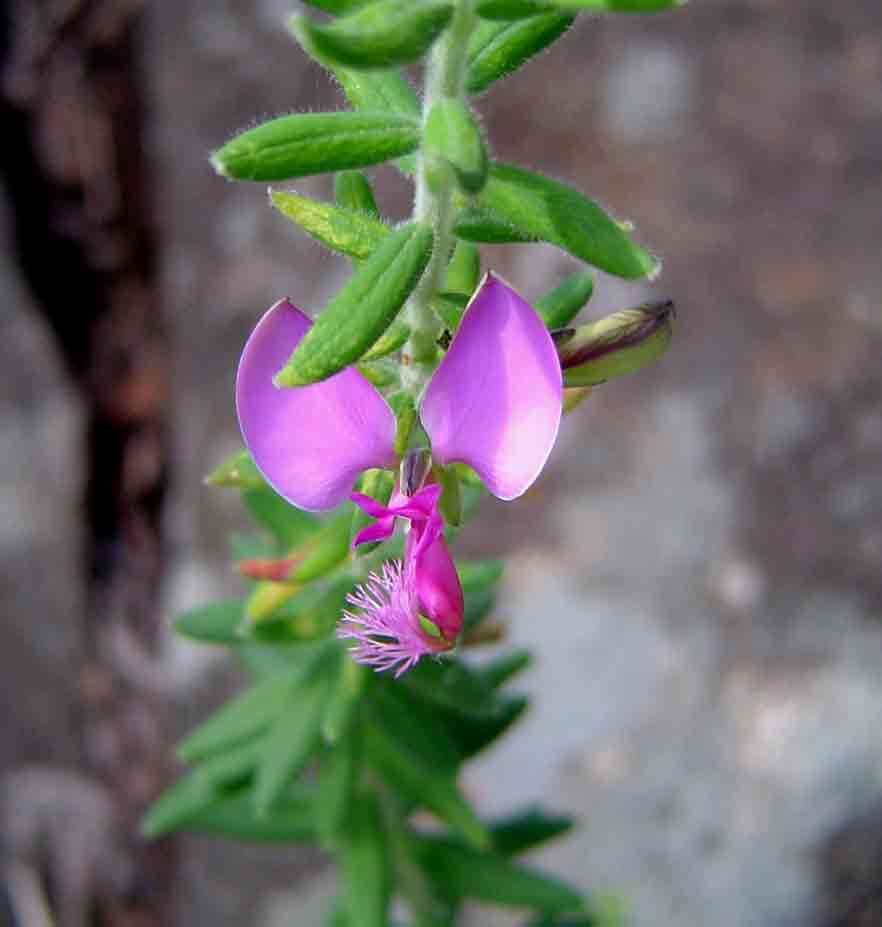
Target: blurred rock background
{"type": "Point", "coordinates": [700, 567]}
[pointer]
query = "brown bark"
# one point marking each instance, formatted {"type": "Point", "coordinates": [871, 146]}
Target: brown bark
{"type": "Point", "coordinates": [72, 157]}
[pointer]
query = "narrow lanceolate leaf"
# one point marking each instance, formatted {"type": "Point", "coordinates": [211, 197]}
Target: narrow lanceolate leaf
{"type": "Point", "coordinates": [498, 48]}
{"type": "Point", "coordinates": [480, 225]}
{"type": "Point", "coordinates": [473, 734]}
{"type": "Point", "coordinates": [512, 9]}
{"type": "Point", "coordinates": [236, 472]}
{"type": "Point", "coordinates": [338, 7]}
{"type": "Point", "coordinates": [383, 34]}
{"type": "Point", "coordinates": [560, 215]}
{"type": "Point", "coordinates": [313, 143]}
{"type": "Point", "coordinates": [464, 269]}
{"type": "Point", "coordinates": [325, 549]}
{"type": "Point", "coordinates": [559, 307]}
{"type": "Point", "coordinates": [499, 671]}
{"type": "Point", "coordinates": [212, 624]}
{"type": "Point", "coordinates": [428, 787]}
{"type": "Point", "coordinates": [452, 135]}
{"type": "Point", "coordinates": [619, 6]}
{"type": "Point", "coordinates": [366, 306]}
{"type": "Point", "coordinates": [233, 816]}
{"type": "Point", "coordinates": [452, 684]}
{"type": "Point", "coordinates": [383, 91]}
{"type": "Point", "coordinates": [245, 716]}
{"type": "Point", "coordinates": [347, 231]}
{"type": "Point", "coordinates": [365, 866]}
{"type": "Point", "coordinates": [287, 525]}
{"type": "Point", "coordinates": [337, 778]}
{"type": "Point", "coordinates": [352, 190]}
{"type": "Point", "coordinates": [467, 873]}
{"type": "Point", "coordinates": [527, 829]}
{"type": "Point", "coordinates": [290, 741]}
{"type": "Point", "coordinates": [391, 340]}
{"type": "Point", "coordinates": [200, 789]}
{"type": "Point", "coordinates": [516, 9]}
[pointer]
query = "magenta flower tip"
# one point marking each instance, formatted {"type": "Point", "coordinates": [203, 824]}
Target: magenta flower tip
{"type": "Point", "coordinates": [384, 622]}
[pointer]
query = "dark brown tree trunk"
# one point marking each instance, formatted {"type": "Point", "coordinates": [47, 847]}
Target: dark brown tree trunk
{"type": "Point", "coordinates": [72, 158]}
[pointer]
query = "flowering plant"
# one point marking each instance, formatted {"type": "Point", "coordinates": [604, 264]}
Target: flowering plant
{"type": "Point", "coordinates": [420, 386]}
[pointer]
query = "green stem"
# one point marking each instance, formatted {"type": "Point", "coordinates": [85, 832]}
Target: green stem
{"type": "Point", "coordinates": [445, 77]}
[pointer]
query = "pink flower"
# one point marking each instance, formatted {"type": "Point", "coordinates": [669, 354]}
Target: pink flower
{"type": "Point", "coordinates": [494, 403]}
{"type": "Point", "coordinates": [414, 608]}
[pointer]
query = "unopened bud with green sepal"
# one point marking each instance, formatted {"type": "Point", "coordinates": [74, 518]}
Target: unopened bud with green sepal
{"type": "Point", "coordinates": [618, 344]}
{"type": "Point", "coordinates": [383, 34]}
{"type": "Point", "coordinates": [452, 134]}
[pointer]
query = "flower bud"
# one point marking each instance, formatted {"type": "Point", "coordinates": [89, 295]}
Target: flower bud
{"type": "Point", "coordinates": [414, 469]}
{"type": "Point", "coordinates": [618, 344]}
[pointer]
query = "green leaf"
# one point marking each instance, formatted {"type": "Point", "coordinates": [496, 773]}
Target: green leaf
{"type": "Point", "coordinates": [244, 717]}
{"type": "Point", "coordinates": [498, 672]}
{"type": "Point", "coordinates": [366, 306]}
{"type": "Point", "coordinates": [412, 726]}
{"type": "Point", "coordinates": [314, 143]}
{"type": "Point", "coordinates": [498, 48]}
{"type": "Point", "coordinates": [365, 867]}
{"type": "Point", "coordinates": [526, 829]}
{"type": "Point", "coordinates": [464, 269]}
{"type": "Point", "coordinates": [383, 91]}
{"type": "Point", "coordinates": [238, 471]}
{"type": "Point", "coordinates": [200, 789]}
{"type": "Point", "coordinates": [452, 684]}
{"type": "Point", "coordinates": [450, 503]}
{"type": "Point", "coordinates": [516, 9]}
{"type": "Point", "coordinates": [352, 190]}
{"type": "Point", "coordinates": [404, 407]}
{"type": "Point", "coordinates": [338, 7]}
{"type": "Point", "coordinates": [216, 623]}
{"type": "Point", "coordinates": [292, 820]}
{"type": "Point", "coordinates": [619, 6]}
{"type": "Point", "coordinates": [560, 215]}
{"type": "Point", "coordinates": [327, 548]}
{"type": "Point", "coordinates": [513, 9]}
{"type": "Point", "coordinates": [479, 225]}
{"type": "Point", "coordinates": [466, 873]}
{"type": "Point", "coordinates": [475, 733]}
{"type": "Point", "coordinates": [344, 698]}
{"type": "Point", "coordinates": [338, 773]}
{"type": "Point", "coordinates": [559, 307]}
{"type": "Point", "coordinates": [423, 784]}
{"type": "Point", "coordinates": [452, 134]}
{"type": "Point", "coordinates": [383, 34]}
{"type": "Point", "coordinates": [287, 524]}
{"type": "Point", "coordinates": [295, 734]}
{"type": "Point", "coordinates": [478, 574]}
{"type": "Point", "coordinates": [391, 340]}
{"type": "Point", "coordinates": [347, 231]}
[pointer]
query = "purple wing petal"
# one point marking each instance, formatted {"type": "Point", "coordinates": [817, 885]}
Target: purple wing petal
{"type": "Point", "coordinates": [310, 442]}
{"type": "Point", "coordinates": [494, 403]}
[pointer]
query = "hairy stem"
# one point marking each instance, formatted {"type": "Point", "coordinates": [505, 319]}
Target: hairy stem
{"type": "Point", "coordinates": [445, 77]}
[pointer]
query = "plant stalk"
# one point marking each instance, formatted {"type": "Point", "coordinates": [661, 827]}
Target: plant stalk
{"type": "Point", "coordinates": [445, 77]}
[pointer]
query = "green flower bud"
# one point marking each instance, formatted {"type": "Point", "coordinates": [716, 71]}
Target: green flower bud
{"type": "Point", "coordinates": [618, 344]}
